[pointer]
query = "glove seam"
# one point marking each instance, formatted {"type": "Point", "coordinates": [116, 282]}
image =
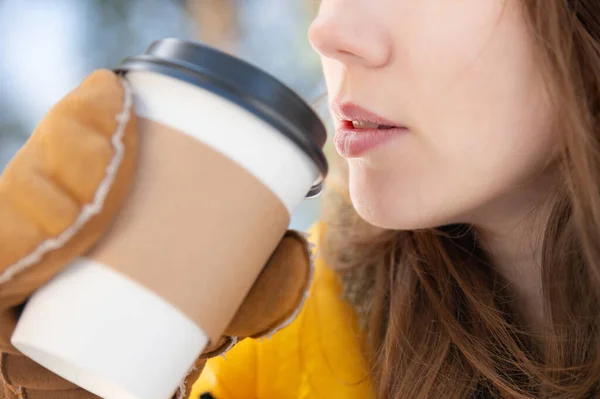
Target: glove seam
{"type": "Point", "coordinates": [222, 350]}
{"type": "Point", "coordinates": [89, 210]}
{"type": "Point", "coordinates": [16, 390]}
{"type": "Point", "coordinates": [3, 373]}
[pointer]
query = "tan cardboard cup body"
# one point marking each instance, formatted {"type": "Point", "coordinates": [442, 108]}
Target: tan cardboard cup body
{"type": "Point", "coordinates": [214, 190]}
{"type": "Point", "coordinates": [185, 232]}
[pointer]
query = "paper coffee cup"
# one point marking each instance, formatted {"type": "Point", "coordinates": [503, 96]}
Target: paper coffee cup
{"type": "Point", "coordinates": [226, 154]}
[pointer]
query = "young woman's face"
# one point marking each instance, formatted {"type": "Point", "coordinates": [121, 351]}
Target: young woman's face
{"type": "Point", "coordinates": [459, 82]}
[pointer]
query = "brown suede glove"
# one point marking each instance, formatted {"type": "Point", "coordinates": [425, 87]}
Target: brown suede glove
{"type": "Point", "coordinates": [88, 135]}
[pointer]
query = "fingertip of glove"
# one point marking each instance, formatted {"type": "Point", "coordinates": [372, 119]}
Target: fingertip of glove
{"type": "Point", "coordinates": [101, 76]}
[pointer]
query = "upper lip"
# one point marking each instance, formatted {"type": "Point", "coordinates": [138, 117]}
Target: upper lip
{"type": "Point", "coordinates": [351, 112]}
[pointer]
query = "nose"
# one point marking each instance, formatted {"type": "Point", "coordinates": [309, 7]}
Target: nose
{"type": "Point", "coordinates": [347, 33]}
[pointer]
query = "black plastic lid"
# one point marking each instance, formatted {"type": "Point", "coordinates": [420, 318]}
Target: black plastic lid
{"type": "Point", "coordinates": [243, 84]}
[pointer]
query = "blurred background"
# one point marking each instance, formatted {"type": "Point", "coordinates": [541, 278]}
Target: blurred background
{"type": "Point", "coordinates": [48, 46]}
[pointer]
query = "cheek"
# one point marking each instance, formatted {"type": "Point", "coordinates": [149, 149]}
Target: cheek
{"type": "Point", "coordinates": [424, 189]}
{"type": "Point", "coordinates": [483, 133]}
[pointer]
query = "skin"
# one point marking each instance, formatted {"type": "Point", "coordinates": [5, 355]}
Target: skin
{"type": "Point", "coordinates": [462, 76]}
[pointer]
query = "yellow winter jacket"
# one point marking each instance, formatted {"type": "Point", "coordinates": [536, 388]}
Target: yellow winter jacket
{"type": "Point", "coordinates": [320, 355]}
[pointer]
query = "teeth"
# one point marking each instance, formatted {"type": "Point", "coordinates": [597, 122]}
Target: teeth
{"type": "Point", "coordinates": [364, 125]}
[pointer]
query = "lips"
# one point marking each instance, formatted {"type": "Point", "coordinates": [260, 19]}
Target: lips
{"type": "Point", "coordinates": [361, 131]}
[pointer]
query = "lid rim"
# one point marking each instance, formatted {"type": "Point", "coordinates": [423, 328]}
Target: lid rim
{"type": "Point", "coordinates": [236, 72]}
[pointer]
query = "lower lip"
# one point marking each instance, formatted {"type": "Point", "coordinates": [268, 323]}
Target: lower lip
{"type": "Point", "coordinates": [352, 143]}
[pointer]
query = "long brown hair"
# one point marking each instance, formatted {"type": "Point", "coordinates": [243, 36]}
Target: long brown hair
{"type": "Point", "coordinates": [443, 322]}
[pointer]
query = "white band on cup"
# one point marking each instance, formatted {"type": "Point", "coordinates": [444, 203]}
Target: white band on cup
{"type": "Point", "coordinates": [83, 293]}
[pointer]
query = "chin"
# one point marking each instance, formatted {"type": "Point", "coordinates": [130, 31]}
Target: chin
{"type": "Point", "coordinates": [390, 207]}
{"type": "Point", "coordinates": [382, 210]}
